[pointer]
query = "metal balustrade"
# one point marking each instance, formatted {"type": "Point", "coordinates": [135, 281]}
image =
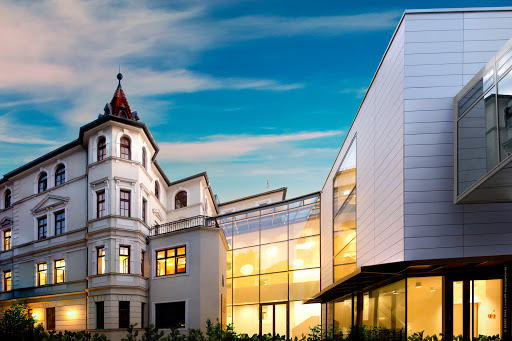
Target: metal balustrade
{"type": "Point", "coordinates": [183, 224]}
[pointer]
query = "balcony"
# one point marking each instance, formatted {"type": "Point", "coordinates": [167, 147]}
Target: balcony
{"type": "Point", "coordinates": [483, 135]}
{"type": "Point", "coordinates": [183, 224]}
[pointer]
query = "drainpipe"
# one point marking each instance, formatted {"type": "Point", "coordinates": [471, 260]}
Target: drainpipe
{"type": "Point", "coordinates": [86, 242]}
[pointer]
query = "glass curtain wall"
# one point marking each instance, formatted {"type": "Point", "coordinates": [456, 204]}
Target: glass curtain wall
{"type": "Point", "coordinates": [484, 125]}
{"type": "Point", "coordinates": [274, 256]}
{"type": "Point", "coordinates": [344, 224]}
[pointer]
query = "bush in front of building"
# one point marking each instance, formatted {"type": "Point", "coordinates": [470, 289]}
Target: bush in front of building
{"type": "Point", "coordinates": [17, 325]}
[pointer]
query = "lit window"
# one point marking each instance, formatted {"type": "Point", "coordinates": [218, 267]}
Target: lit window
{"type": "Point", "coordinates": [180, 200]}
{"type": "Point", "coordinates": [102, 149]}
{"type": "Point", "coordinates": [7, 280]}
{"type": "Point", "coordinates": [171, 261]}
{"type": "Point", "coordinates": [60, 222]}
{"type": "Point", "coordinates": [60, 175]}
{"type": "Point", "coordinates": [125, 203]}
{"type": "Point", "coordinates": [100, 203]}
{"type": "Point", "coordinates": [124, 259]}
{"type": "Point", "coordinates": [100, 260]}
{"type": "Point", "coordinates": [41, 274]}
{"type": "Point", "coordinates": [8, 198]}
{"type": "Point", "coordinates": [7, 240]}
{"type": "Point", "coordinates": [60, 271]}
{"type": "Point", "coordinates": [170, 315]}
{"type": "Point", "coordinates": [42, 228]}
{"type": "Point", "coordinates": [125, 149]}
{"type": "Point", "coordinates": [157, 190]}
{"type": "Point", "coordinates": [42, 183]}
{"type": "Point", "coordinates": [144, 162]}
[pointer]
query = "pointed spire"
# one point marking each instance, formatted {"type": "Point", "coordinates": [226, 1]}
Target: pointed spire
{"type": "Point", "coordinates": [119, 104]}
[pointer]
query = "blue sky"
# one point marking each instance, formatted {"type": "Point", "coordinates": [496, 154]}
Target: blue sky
{"type": "Point", "coordinates": [248, 91]}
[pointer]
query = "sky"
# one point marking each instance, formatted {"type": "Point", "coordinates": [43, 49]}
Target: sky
{"type": "Point", "coordinates": [249, 91]}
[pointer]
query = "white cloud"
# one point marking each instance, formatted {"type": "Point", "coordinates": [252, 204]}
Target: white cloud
{"type": "Point", "coordinates": [358, 92]}
{"type": "Point", "coordinates": [228, 147]}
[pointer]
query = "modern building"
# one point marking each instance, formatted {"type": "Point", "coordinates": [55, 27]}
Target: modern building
{"type": "Point", "coordinates": [418, 235]}
{"type": "Point", "coordinates": [409, 234]}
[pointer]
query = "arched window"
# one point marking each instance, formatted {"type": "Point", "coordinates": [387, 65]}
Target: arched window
{"type": "Point", "coordinates": [125, 148]}
{"type": "Point", "coordinates": [180, 200]}
{"type": "Point", "coordinates": [60, 175]}
{"type": "Point", "coordinates": [8, 198]}
{"type": "Point", "coordinates": [144, 158]}
{"type": "Point", "coordinates": [157, 190]}
{"type": "Point", "coordinates": [102, 148]}
{"type": "Point", "coordinates": [42, 184]}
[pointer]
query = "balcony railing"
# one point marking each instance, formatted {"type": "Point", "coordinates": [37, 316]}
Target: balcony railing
{"type": "Point", "coordinates": [183, 224]}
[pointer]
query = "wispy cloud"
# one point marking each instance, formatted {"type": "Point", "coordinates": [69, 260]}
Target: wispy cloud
{"type": "Point", "coordinates": [358, 92]}
{"type": "Point", "coordinates": [229, 147]}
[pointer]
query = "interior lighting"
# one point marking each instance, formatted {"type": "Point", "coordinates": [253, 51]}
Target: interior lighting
{"type": "Point", "coordinates": [304, 246]}
{"type": "Point", "coordinates": [346, 193]}
{"type": "Point", "coordinates": [35, 316]}
{"type": "Point", "coordinates": [271, 251]}
{"type": "Point", "coordinates": [71, 313]}
{"type": "Point", "coordinates": [298, 262]}
{"type": "Point", "coordinates": [432, 289]}
{"type": "Point", "coordinates": [247, 269]}
{"type": "Point", "coordinates": [418, 285]}
{"type": "Point", "coordinates": [395, 292]}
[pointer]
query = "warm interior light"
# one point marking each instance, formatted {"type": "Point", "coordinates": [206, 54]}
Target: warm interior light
{"type": "Point", "coordinates": [298, 262]}
{"type": "Point", "coordinates": [71, 313]}
{"type": "Point", "coordinates": [304, 246]}
{"type": "Point", "coordinates": [418, 284]}
{"type": "Point", "coordinates": [271, 251]}
{"type": "Point", "coordinates": [247, 269]}
{"type": "Point", "coordinates": [35, 316]}
{"type": "Point", "coordinates": [432, 289]}
{"type": "Point", "coordinates": [395, 292]}
{"type": "Point", "coordinates": [346, 193]}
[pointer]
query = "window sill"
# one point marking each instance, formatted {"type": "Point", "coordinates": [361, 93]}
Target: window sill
{"type": "Point", "coordinates": [172, 276]}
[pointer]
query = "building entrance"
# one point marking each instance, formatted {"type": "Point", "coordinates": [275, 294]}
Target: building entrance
{"type": "Point", "coordinates": [274, 319]}
{"type": "Point", "coordinates": [477, 308]}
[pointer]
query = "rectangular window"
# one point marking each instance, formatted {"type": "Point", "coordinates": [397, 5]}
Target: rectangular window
{"type": "Point", "coordinates": [60, 222]}
{"type": "Point", "coordinates": [7, 240]}
{"type": "Point", "coordinates": [100, 315]}
{"type": "Point", "coordinates": [144, 209]}
{"type": "Point", "coordinates": [142, 263]}
{"type": "Point", "coordinates": [124, 259]}
{"type": "Point", "coordinates": [142, 314]}
{"type": "Point", "coordinates": [171, 261]}
{"type": "Point", "coordinates": [168, 315]}
{"type": "Point", "coordinates": [50, 318]}
{"type": "Point", "coordinates": [7, 280]}
{"type": "Point", "coordinates": [60, 271]}
{"type": "Point", "coordinates": [41, 274]}
{"type": "Point", "coordinates": [100, 260]}
{"type": "Point", "coordinates": [42, 228]}
{"type": "Point", "coordinates": [125, 203]}
{"type": "Point", "coordinates": [124, 314]}
{"type": "Point", "coordinates": [100, 203]}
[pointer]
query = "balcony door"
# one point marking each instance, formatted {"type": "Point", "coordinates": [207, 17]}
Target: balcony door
{"type": "Point", "coordinates": [274, 319]}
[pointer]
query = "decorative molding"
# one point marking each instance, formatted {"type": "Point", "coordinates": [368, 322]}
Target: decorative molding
{"type": "Point", "coordinates": [61, 201]}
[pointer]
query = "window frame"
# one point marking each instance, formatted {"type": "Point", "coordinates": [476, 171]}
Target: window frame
{"type": "Point", "coordinates": [175, 301]}
{"type": "Point", "coordinates": [181, 201]}
{"type": "Point", "coordinates": [39, 226]}
{"type": "Point", "coordinates": [102, 257]}
{"type": "Point", "coordinates": [144, 158]}
{"type": "Point", "coordinates": [60, 224]}
{"type": "Point", "coordinates": [7, 194]}
{"type": "Point", "coordinates": [60, 175]}
{"type": "Point", "coordinates": [101, 153]}
{"type": "Point", "coordinates": [142, 252]}
{"type": "Point", "coordinates": [40, 272]}
{"type": "Point", "coordinates": [56, 269]}
{"type": "Point", "coordinates": [128, 200]}
{"type": "Point", "coordinates": [125, 150]}
{"type": "Point", "coordinates": [157, 189]}
{"type": "Point", "coordinates": [128, 255]}
{"type": "Point", "coordinates": [99, 202]}
{"type": "Point", "coordinates": [5, 278]}
{"type": "Point", "coordinates": [144, 210]}
{"type": "Point", "coordinates": [127, 325]}
{"type": "Point", "coordinates": [176, 258]}
{"type": "Point", "coordinates": [7, 240]}
{"type": "Point", "coordinates": [102, 319]}
{"type": "Point", "coordinates": [42, 182]}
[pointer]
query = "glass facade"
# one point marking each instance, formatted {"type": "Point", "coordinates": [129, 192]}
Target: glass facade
{"type": "Point", "coordinates": [344, 224]}
{"type": "Point", "coordinates": [484, 124]}
{"type": "Point", "coordinates": [274, 264]}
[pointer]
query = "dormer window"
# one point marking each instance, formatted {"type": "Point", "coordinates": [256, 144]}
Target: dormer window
{"type": "Point", "coordinates": [42, 184]}
{"type": "Point", "coordinates": [157, 190]}
{"type": "Point", "coordinates": [7, 199]}
{"type": "Point", "coordinates": [60, 175]}
{"type": "Point", "coordinates": [144, 158]}
{"type": "Point", "coordinates": [102, 148]}
{"type": "Point", "coordinates": [125, 148]}
{"type": "Point", "coordinates": [180, 200]}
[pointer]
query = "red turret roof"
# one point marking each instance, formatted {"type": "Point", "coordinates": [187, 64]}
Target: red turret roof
{"type": "Point", "coordinates": [119, 104]}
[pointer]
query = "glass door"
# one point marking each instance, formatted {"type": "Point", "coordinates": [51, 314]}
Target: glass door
{"type": "Point", "coordinates": [274, 319]}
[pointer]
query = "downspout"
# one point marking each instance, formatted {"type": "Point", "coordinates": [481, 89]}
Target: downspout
{"type": "Point", "coordinates": [86, 241]}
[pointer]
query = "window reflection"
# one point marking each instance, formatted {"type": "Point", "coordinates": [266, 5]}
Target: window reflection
{"type": "Point", "coordinates": [274, 287]}
{"type": "Point", "coordinates": [246, 290]}
{"type": "Point", "coordinates": [305, 253]}
{"type": "Point", "coordinates": [304, 283]}
{"type": "Point", "coordinates": [385, 307]}
{"type": "Point", "coordinates": [274, 257]}
{"type": "Point", "coordinates": [425, 292]}
{"type": "Point", "coordinates": [246, 261]}
{"type": "Point", "coordinates": [303, 317]}
{"type": "Point", "coordinates": [246, 319]}
{"type": "Point", "coordinates": [343, 316]}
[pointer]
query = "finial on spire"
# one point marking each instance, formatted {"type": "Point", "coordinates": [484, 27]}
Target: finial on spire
{"type": "Point", "coordinates": [119, 77]}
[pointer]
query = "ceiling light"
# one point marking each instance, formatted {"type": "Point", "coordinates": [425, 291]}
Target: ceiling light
{"type": "Point", "coordinates": [247, 269]}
